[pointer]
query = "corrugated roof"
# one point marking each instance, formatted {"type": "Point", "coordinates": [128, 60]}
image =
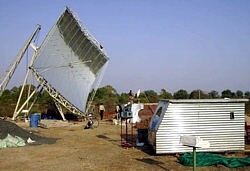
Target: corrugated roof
{"type": "Point", "coordinates": [204, 100]}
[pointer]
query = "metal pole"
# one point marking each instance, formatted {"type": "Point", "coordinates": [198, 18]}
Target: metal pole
{"type": "Point", "coordinates": [126, 131]}
{"type": "Point", "coordinates": [194, 155]}
{"type": "Point", "coordinates": [121, 131]}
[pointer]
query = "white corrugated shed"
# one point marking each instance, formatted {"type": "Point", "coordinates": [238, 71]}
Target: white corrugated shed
{"type": "Point", "coordinates": [219, 121]}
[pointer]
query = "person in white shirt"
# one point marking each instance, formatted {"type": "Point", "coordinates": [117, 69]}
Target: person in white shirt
{"type": "Point", "coordinates": [101, 110]}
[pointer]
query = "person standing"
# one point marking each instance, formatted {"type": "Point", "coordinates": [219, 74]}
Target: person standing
{"type": "Point", "coordinates": [101, 110]}
{"type": "Point", "coordinates": [131, 96]}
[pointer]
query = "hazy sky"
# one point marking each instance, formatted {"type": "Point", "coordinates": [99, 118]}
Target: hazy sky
{"type": "Point", "coordinates": [152, 44]}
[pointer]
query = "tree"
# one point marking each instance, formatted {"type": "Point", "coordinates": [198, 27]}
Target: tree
{"type": "Point", "coordinates": [151, 96]}
{"type": "Point", "coordinates": [233, 95]}
{"type": "Point", "coordinates": [247, 94]}
{"type": "Point", "coordinates": [181, 94]}
{"type": "Point", "coordinates": [165, 95]}
{"type": "Point", "coordinates": [198, 94]}
{"type": "Point", "coordinates": [14, 89]}
{"type": "Point", "coordinates": [27, 90]}
{"type": "Point", "coordinates": [15, 93]}
{"type": "Point", "coordinates": [46, 99]}
{"type": "Point", "coordinates": [123, 98]}
{"type": "Point", "coordinates": [214, 94]}
{"type": "Point", "coordinates": [6, 96]}
{"type": "Point", "coordinates": [226, 93]}
{"type": "Point", "coordinates": [108, 96]}
{"type": "Point", "coordinates": [247, 108]}
{"type": "Point", "coordinates": [103, 93]}
{"type": "Point", "coordinates": [143, 98]}
{"type": "Point", "coordinates": [239, 94]}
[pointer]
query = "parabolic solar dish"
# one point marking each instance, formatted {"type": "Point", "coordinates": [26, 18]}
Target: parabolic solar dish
{"type": "Point", "coordinates": [70, 60]}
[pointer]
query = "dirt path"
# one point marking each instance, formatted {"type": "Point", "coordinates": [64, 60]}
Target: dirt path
{"type": "Point", "coordinates": [97, 149]}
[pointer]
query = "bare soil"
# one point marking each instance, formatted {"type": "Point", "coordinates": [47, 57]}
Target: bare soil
{"type": "Point", "coordinates": [91, 149]}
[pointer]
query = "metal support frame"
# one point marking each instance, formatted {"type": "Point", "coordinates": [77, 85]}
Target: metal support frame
{"type": "Point", "coordinates": [17, 112]}
{"type": "Point", "coordinates": [128, 131]}
{"type": "Point", "coordinates": [129, 140]}
{"type": "Point", "coordinates": [60, 110]}
{"type": "Point", "coordinates": [4, 80]}
{"type": "Point", "coordinates": [58, 98]}
{"type": "Point", "coordinates": [27, 100]}
{"type": "Point", "coordinates": [56, 95]}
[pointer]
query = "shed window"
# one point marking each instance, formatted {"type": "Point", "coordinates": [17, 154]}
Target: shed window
{"type": "Point", "coordinates": [159, 111]}
{"type": "Point", "coordinates": [231, 115]}
{"type": "Point", "coordinates": [156, 117]}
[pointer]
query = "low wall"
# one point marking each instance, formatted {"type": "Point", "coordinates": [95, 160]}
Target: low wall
{"type": "Point", "coordinates": [146, 115]}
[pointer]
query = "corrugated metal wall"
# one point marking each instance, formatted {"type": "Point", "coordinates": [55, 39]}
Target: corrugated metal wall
{"type": "Point", "coordinates": [210, 121]}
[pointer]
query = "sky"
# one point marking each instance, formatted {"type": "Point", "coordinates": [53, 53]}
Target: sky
{"type": "Point", "coordinates": [151, 44]}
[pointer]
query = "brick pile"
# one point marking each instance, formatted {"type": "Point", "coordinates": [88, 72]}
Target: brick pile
{"type": "Point", "coordinates": [146, 115]}
{"type": "Point", "coordinates": [143, 124]}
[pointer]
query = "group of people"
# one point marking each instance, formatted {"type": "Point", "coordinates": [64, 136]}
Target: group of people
{"type": "Point", "coordinates": [128, 106]}
{"type": "Point", "coordinates": [118, 108]}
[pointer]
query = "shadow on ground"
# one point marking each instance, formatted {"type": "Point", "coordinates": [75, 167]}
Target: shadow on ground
{"type": "Point", "coordinates": [152, 162]}
{"type": "Point", "coordinates": [108, 139]}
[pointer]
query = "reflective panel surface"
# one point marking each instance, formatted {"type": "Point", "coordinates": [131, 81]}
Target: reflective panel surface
{"type": "Point", "coordinates": [70, 59]}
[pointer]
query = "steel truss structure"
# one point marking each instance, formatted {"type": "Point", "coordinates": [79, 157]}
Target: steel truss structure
{"type": "Point", "coordinates": [56, 95]}
{"type": "Point", "coordinates": [69, 64]}
{"type": "Point", "coordinates": [5, 78]}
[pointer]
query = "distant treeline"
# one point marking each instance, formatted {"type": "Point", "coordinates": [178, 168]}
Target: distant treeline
{"type": "Point", "coordinates": [110, 98]}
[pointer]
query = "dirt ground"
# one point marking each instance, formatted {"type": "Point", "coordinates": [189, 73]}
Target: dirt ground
{"type": "Point", "coordinates": [90, 149]}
